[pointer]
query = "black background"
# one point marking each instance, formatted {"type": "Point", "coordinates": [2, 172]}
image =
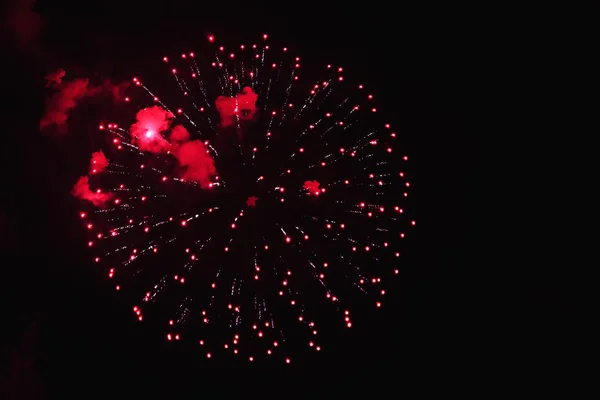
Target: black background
{"type": "Point", "coordinates": [61, 324]}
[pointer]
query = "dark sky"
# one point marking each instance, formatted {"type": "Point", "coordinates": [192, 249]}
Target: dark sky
{"type": "Point", "coordinates": [62, 322]}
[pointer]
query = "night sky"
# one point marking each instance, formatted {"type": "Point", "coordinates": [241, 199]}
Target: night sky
{"type": "Point", "coordinates": [61, 321]}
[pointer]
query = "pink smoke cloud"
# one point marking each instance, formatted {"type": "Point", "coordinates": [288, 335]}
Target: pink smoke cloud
{"type": "Point", "coordinates": [242, 106]}
{"type": "Point", "coordinates": [116, 90]}
{"type": "Point", "coordinates": [98, 163]}
{"type": "Point", "coordinates": [193, 157]}
{"type": "Point", "coordinates": [179, 135]}
{"type": "Point", "coordinates": [22, 23]}
{"type": "Point", "coordinates": [146, 132]}
{"type": "Point", "coordinates": [61, 103]}
{"type": "Point", "coordinates": [83, 191]}
{"type": "Point", "coordinates": [55, 78]}
{"type": "Point", "coordinates": [251, 202]}
{"type": "Point", "coordinates": [312, 187]}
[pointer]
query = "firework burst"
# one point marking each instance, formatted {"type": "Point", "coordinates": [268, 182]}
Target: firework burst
{"type": "Point", "coordinates": [242, 205]}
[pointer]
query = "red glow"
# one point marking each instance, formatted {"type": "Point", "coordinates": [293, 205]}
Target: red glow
{"type": "Point", "coordinates": [312, 187]}
{"type": "Point", "coordinates": [83, 191]}
{"type": "Point", "coordinates": [242, 106]}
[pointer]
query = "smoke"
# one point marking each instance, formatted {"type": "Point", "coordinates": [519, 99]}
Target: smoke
{"type": "Point", "coordinates": [251, 202]}
{"type": "Point", "coordinates": [99, 162]}
{"type": "Point", "coordinates": [55, 78]}
{"type": "Point", "coordinates": [83, 191]}
{"type": "Point", "coordinates": [69, 94]}
{"type": "Point", "coordinates": [146, 132]}
{"type": "Point", "coordinates": [23, 25]}
{"type": "Point", "coordinates": [242, 106]}
{"type": "Point", "coordinates": [116, 90]}
{"type": "Point", "coordinates": [179, 135]}
{"type": "Point", "coordinates": [59, 104]}
{"type": "Point", "coordinates": [193, 158]}
{"type": "Point", "coordinates": [195, 161]}
{"type": "Point", "coordinates": [312, 187]}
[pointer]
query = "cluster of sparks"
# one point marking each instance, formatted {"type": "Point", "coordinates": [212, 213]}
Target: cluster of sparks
{"type": "Point", "coordinates": [317, 224]}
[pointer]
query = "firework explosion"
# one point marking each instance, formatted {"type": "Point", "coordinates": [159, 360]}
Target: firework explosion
{"type": "Point", "coordinates": [241, 206]}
